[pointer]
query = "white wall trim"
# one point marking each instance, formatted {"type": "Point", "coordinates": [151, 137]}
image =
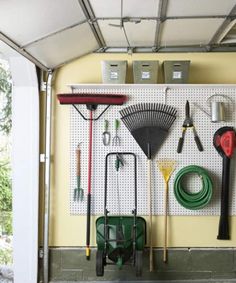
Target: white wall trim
{"type": "Point", "coordinates": [25, 166]}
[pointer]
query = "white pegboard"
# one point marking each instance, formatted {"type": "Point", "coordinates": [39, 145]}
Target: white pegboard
{"type": "Point", "coordinates": [176, 96]}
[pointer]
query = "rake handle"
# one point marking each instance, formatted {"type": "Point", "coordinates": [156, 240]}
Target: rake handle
{"type": "Point", "coordinates": [150, 214]}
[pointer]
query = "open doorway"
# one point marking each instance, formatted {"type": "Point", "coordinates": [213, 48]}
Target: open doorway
{"type": "Point", "coordinates": [6, 227]}
{"type": "Point", "coordinates": [20, 166]}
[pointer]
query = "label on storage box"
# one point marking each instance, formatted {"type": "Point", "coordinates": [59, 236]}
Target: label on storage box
{"type": "Point", "coordinates": [145, 75]}
{"type": "Point", "coordinates": [177, 75]}
{"type": "Point", "coordinates": [114, 75]}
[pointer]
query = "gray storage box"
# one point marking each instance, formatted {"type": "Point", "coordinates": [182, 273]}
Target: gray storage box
{"type": "Point", "coordinates": [176, 72]}
{"type": "Point", "coordinates": [114, 72]}
{"type": "Point", "coordinates": [145, 72]}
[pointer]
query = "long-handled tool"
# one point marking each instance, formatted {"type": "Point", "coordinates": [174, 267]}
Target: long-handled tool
{"type": "Point", "coordinates": [149, 124]}
{"type": "Point", "coordinates": [92, 101]}
{"type": "Point", "coordinates": [188, 123]}
{"type": "Point", "coordinates": [224, 141]}
{"type": "Point", "coordinates": [167, 167]}
{"type": "Point", "coordinates": [78, 192]}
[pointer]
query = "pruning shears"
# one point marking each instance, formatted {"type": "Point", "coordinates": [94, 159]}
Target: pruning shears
{"type": "Point", "coordinates": [188, 124]}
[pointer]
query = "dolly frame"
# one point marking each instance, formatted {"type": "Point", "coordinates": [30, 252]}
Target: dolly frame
{"type": "Point", "coordinates": [134, 211]}
{"type": "Point", "coordinates": [132, 224]}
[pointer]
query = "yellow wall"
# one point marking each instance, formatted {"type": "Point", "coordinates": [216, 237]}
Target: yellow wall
{"type": "Point", "coordinates": [184, 231]}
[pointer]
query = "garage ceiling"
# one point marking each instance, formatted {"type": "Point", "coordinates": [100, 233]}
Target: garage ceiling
{"type": "Point", "coordinates": [51, 33]}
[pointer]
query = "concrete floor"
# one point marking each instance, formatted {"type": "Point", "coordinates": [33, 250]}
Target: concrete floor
{"type": "Point", "coordinates": [166, 281]}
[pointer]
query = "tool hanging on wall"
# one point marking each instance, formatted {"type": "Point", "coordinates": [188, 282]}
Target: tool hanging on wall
{"type": "Point", "coordinates": [118, 163]}
{"type": "Point", "coordinates": [120, 238]}
{"type": "Point", "coordinates": [188, 123]}
{"type": "Point", "coordinates": [149, 124]}
{"type": "Point", "coordinates": [218, 109]}
{"type": "Point", "coordinates": [167, 167]}
{"type": "Point", "coordinates": [224, 141]}
{"type": "Point", "coordinates": [188, 199]}
{"type": "Point", "coordinates": [78, 192]}
{"type": "Point", "coordinates": [91, 101]}
{"type": "Point", "coordinates": [116, 141]}
{"type": "Point", "coordinates": [106, 135]}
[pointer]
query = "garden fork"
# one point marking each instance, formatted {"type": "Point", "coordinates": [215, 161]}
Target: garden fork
{"type": "Point", "coordinates": [78, 192]}
{"type": "Point", "coordinates": [116, 140]}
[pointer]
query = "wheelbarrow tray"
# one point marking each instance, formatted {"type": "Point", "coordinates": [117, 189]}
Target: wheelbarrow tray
{"type": "Point", "coordinates": [114, 240]}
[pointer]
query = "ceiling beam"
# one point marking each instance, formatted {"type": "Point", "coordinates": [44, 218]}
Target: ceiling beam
{"type": "Point", "coordinates": [90, 16]}
{"type": "Point", "coordinates": [158, 18]}
{"type": "Point", "coordinates": [162, 9]}
{"type": "Point", "coordinates": [22, 51]}
{"type": "Point", "coordinates": [218, 34]}
{"type": "Point", "coordinates": [173, 49]}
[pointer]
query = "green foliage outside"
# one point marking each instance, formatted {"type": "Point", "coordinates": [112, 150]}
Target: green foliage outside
{"type": "Point", "coordinates": [5, 169]}
{"type": "Point", "coordinates": [6, 256]}
{"type": "Point", "coordinates": [5, 188]}
{"type": "Point", "coordinates": [5, 200]}
{"type": "Point", "coordinates": [6, 99]}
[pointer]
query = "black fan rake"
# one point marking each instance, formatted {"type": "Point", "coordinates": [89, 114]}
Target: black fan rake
{"type": "Point", "coordinates": [149, 124]}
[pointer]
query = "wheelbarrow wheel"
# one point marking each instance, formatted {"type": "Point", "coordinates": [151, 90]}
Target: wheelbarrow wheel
{"type": "Point", "coordinates": [138, 262]}
{"type": "Point", "coordinates": [100, 263]}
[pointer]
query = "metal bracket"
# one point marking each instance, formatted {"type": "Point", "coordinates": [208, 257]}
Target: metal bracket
{"type": "Point", "coordinates": [41, 253]}
{"type": "Point", "coordinates": [42, 158]}
{"type": "Point", "coordinates": [87, 119]}
{"type": "Point", "coordinates": [43, 86]}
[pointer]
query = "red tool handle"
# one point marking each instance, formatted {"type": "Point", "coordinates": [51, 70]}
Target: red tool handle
{"type": "Point", "coordinates": [89, 185]}
{"type": "Point", "coordinates": [228, 143]}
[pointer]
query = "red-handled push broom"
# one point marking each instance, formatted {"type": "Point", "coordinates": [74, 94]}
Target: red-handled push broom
{"type": "Point", "coordinates": [91, 101]}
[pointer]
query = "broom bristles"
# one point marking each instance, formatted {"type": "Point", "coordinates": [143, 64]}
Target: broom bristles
{"type": "Point", "coordinates": [148, 115]}
{"type": "Point", "coordinates": [83, 98]}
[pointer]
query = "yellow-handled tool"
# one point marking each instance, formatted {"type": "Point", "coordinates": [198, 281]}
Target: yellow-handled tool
{"type": "Point", "coordinates": [167, 167]}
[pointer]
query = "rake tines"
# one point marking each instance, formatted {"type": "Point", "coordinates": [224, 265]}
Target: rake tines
{"type": "Point", "coordinates": [149, 124]}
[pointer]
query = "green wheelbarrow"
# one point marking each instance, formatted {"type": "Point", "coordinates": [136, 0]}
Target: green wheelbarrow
{"type": "Point", "coordinates": [120, 239]}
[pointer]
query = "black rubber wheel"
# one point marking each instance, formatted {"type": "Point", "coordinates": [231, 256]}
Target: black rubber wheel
{"type": "Point", "coordinates": [100, 263]}
{"type": "Point", "coordinates": [138, 262]}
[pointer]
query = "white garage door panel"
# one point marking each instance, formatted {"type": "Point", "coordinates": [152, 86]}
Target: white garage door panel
{"type": "Point", "coordinates": [65, 46]}
{"type": "Point", "coordinates": [131, 8]}
{"type": "Point", "coordinates": [113, 35]}
{"type": "Point", "coordinates": [189, 32]}
{"type": "Point", "coordinates": [34, 19]}
{"type": "Point", "coordinates": [141, 34]}
{"type": "Point", "coordinates": [199, 7]}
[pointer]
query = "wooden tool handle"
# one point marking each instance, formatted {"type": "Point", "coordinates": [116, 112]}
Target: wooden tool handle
{"type": "Point", "coordinates": [78, 153]}
{"type": "Point", "coordinates": [150, 215]}
{"type": "Point", "coordinates": [165, 228]}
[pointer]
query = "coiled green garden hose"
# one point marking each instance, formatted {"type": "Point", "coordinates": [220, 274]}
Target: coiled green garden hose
{"type": "Point", "coordinates": [193, 200]}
